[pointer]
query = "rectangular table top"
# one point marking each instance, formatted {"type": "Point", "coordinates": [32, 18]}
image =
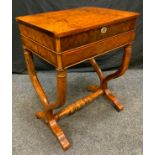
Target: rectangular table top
{"type": "Point", "coordinates": [72, 21]}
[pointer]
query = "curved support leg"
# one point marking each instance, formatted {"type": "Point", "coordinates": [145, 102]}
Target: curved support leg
{"type": "Point", "coordinates": [34, 79]}
{"type": "Point", "coordinates": [47, 114]}
{"type": "Point", "coordinates": [61, 89]}
{"type": "Point", "coordinates": [104, 80]}
{"type": "Point", "coordinates": [61, 84]}
{"type": "Point", "coordinates": [98, 70]}
{"type": "Point", "coordinates": [123, 67]}
{"type": "Point", "coordinates": [121, 71]}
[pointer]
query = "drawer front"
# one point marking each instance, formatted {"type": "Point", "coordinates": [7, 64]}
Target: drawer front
{"type": "Point", "coordinates": [42, 52]}
{"type": "Point", "coordinates": [96, 34]}
{"type": "Point", "coordinates": [72, 57]}
{"type": "Point", "coordinates": [34, 34]}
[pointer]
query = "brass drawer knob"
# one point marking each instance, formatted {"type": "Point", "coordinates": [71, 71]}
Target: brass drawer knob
{"type": "Point", "coordinates": [103, 29]}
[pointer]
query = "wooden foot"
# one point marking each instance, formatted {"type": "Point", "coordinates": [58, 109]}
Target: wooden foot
{"type": "Point", "coordinates": [41, 115]}
{"type": "Point", "coordinates": [57, 131]}
{"type": "Point", "coordinates": [93, 88]}
{"type": "Point", "coordinates": [108, 94]}
{"type": "Point", "coordinates": [111, 97]}
{"type": "Point", "coordinates": [59, 134]}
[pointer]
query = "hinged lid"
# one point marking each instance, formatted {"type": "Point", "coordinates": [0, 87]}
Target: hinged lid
{"type": "Point", "coordinates": [72, 21]}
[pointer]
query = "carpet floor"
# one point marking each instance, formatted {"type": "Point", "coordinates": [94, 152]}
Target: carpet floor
{"type": "Point", "coordinates": [97, 129]}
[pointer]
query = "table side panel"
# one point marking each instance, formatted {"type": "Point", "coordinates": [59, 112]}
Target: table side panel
{"type": "Point", "coordinates": [77, 55]}
{"type": "Point", "coordinates": [46, 39]}
{"type": "Point", "coordinates": [42, 52]}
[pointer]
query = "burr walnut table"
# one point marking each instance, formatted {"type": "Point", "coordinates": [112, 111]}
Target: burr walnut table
{"type": "Point", "coordinates": [69, 37]}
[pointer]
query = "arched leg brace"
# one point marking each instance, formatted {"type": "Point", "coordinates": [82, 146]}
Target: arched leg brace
{"type": "Point", "coordinates": [47, 115]}
{"type": "Point", "coordinates": [104, 80]}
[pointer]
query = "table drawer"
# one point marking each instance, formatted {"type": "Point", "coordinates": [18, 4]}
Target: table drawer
{"type": "Point", "coordinates": [77, 55]}
{"type": "Point", "coordinates": [94, 35]}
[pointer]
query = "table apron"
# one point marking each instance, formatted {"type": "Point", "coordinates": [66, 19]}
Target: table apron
{"type": "Point", "coordinates": [77, 55]}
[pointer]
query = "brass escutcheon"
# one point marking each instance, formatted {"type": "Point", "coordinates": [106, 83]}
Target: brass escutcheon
{"type": "Point", "coordinates": [103, 29]}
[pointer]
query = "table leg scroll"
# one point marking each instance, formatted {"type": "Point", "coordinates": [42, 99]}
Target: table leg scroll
{"type": "Point", "coordinates": [47, 114]}
{"type": "Point", "coordinates": [61, 84]}
{"type": "Point", "coordinates": [104, 80]}
{"type": "Point", "coordinates": [34, 79]}
{"type": "Point", "coordinates": [98, 70]}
